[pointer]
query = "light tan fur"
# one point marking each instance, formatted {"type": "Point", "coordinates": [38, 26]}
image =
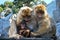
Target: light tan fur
{"type": "Point", "coordinates": [45, 24]}
{"type": "Point", "coordinates": [23, 12]}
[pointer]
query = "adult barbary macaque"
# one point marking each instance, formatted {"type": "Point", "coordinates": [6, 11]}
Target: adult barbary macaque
{"type": "Point", "coordinates": [46, 26]}
{"type": "Point", "coordinates": [25, 14]}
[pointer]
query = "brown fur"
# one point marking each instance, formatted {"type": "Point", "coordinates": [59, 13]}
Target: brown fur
{"type": "Point", "coordinates": [44, 23]}
{"type": "Point", "coordinates": [23, 12]}
{"type": "Point", "coordinates": [40, 7]}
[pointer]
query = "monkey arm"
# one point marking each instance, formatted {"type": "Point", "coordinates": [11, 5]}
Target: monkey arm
{"type": "Point", "coordinates": [43, 28]}
{"type": "Point", "coordinates": [53, 26]}
{"type": "Point", "coordinates": [19, 18]}
{"type": "Point", "coordinates": [13, 31]}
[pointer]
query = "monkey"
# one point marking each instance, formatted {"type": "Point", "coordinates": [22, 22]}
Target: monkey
{"type": "Point", "coordinates": [23, 30]}
{"type": "Point", "coordinates": [40, 24]}
{"type": "Point", "coordinates": [25, 14]}
{"type": "Point", "coordinates": [46, 25]}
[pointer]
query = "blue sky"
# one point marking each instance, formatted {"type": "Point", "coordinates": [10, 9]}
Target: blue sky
{"type": "Point", "coordinates": [48, 1]}
{"type": "Point", "coordinates": [2, 1]}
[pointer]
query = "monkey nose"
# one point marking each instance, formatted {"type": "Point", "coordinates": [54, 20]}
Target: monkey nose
{"type": "Point", "coordinates": [39, 15]}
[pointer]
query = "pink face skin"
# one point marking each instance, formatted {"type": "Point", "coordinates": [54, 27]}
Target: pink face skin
{"type": "Point", "coordinates": [26, 19]}
{"type": "Point", "coordinates": [39, 15]}
{"type": "Point", "coordinates": [22, 26]}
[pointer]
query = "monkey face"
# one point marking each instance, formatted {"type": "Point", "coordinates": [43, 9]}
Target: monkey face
{"type": "Point", "coordinates": [27, 18]}
{"type": "Point", "coordinates": [26, 13]}
{"type": "Point", "coordinates": [40, 11]}
{"type": "Point", "coordinates": [22, 26]}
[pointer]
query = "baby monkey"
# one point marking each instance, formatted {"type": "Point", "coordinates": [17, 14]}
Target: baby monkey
{"type": "Point", "coordinates": [24, 31]}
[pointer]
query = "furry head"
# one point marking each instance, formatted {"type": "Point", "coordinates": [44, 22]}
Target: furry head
{"type": "Point", "coordinates": [42, 9]}
{"type": "Point", "coordinates": [24, 11]}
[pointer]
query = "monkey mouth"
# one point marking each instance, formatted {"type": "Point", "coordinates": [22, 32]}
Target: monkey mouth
{"type": "Point", "coordinates": [27, 20]}
{"type": "Point", "coordinates": [39, 16]}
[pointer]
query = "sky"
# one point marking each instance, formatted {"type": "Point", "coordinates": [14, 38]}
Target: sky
{"type": "Point", "coordinates": [48, 1]}
{"type": "Point", "coordinates": [2, 1]}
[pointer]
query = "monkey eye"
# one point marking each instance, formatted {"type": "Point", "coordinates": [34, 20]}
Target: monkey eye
{"type": "Point", "coordinates": [27, 16]}
{"type": "Point", "coordinates": [40, 11]}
